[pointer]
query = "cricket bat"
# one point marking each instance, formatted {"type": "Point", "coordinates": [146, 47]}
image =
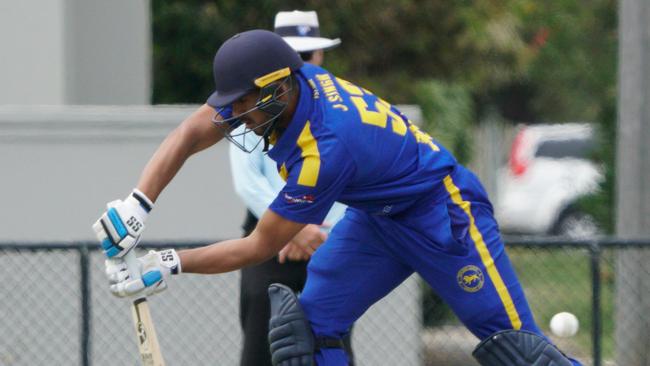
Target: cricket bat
{"type": "Point", "coordinates": [148, 346]}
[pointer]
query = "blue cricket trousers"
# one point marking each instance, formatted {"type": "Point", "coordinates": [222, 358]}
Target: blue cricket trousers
{"type": "Point", "coordinates": [453, 243]}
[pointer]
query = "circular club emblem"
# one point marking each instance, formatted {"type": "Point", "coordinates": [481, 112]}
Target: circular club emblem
{"type": "Point", "coordinates": [470, 278]}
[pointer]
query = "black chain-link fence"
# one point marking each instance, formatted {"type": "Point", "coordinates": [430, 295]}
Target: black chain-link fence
{"type": "Point", "coordinates": [56, 310]}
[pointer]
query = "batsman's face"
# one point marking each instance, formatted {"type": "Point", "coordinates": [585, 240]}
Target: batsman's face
{"type": "Point", "coordinates": [254, 118]}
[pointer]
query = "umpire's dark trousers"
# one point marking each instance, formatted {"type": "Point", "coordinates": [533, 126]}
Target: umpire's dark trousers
{"type": "Point", "coordinates": [254, 307]}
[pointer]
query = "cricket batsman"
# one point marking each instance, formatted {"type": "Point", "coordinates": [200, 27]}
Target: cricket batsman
{"type": "Point", "coordinates": [412, 208]}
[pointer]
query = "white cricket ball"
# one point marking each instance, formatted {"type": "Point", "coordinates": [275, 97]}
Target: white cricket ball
{"type": "Point", "coordinates": [564, 324]}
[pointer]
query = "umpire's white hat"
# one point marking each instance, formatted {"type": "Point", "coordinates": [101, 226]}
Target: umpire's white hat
{"type": "Point", "coordinates": [300, 30]}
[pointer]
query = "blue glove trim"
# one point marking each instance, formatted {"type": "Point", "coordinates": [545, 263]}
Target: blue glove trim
{"type": "Point", "coordinates": [107, 244]}
{"type": "Point", "coordinates": [111, 252]}
{"type": "Point", "coordinates": [117, 222]}
{"type": "Point", "coordinates": [150, 278]}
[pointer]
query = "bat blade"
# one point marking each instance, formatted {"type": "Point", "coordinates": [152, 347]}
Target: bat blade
{"type": "Point", "coordinates": [148, 345]}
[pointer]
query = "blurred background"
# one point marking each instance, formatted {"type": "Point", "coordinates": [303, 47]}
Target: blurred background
{"type": "Point", "coordinates": [546, 101]}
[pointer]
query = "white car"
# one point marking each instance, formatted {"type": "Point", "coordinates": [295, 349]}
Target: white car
{"type": "Point", "coordinates": [548, 170]}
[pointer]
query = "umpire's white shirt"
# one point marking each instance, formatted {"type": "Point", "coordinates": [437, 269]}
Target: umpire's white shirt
{"type": "Point", "coordinates": [256, 178]}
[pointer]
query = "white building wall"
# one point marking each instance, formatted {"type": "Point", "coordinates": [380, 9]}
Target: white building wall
{"type": "Point", "coordinates": [75, 52]}
{"type": "Point", "coordinates": [32, 53]}
{"type": "Point", "coordinates": [108, 52]}
{"type": "Point", "coordinates": [59, 165]}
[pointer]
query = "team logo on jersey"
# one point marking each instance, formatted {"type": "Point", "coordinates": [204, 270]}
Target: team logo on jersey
{"type": "Point", "coordinates": [470, 278]}
{"type": "Point", "coordinates": [306, 198]}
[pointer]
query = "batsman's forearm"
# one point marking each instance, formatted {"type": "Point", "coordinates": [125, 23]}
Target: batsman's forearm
{"type": "Point", "coordinates": [194, 134]}
{"type": "Point", "coordinates": [271, 234]}
{"type": "Point", "coordinates": [163, 166]}
{"type": "Point", "coordinates": [225, 256]}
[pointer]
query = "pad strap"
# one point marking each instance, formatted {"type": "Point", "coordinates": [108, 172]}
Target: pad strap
{"type": "Point", "coordinates": [323, 342]}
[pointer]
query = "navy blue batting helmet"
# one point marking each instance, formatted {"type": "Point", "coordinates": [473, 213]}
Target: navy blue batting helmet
{"type": "Point", "coordinates": [250, 60]}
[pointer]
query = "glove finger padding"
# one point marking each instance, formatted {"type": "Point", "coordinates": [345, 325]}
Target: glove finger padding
{"type": "Point", "coordinates": [150, 283]}
{"type": "Point", "coordinates": [116, 270]}
{"type": "Point", "coordinates": [283, 335]}
{"type": "Point", "coordinates": [290, 337]}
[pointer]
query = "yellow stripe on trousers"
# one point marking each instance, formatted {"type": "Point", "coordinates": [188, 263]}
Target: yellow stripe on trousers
{"type": "Point", "coordinates": [483, 251]}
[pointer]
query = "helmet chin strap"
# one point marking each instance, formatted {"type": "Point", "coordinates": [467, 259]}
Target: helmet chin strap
{"type": "Point", "coordinates": [266, 144]}
{"type": "Point", "coordinates": [274, 109]}
{"type": "Point", "coordinates": [267, 134]}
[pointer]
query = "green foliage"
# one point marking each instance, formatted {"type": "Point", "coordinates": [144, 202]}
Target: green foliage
{"type": "Point", "coordinates": [186, 34]}
{"type": "Point", "coordinates": [574, 66]}
{"type": "Point", "coordinates": [448, 111]}
{"type": "Point", "coordinates": [561, 54]}
{"type": "Point", "coordinates": [387, 45]}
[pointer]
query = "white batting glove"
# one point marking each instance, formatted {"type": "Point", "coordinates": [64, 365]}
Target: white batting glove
{"type": "Point", "coordinates": [154, 269]}
{"type": "Point", "coordinates": [119, 228]}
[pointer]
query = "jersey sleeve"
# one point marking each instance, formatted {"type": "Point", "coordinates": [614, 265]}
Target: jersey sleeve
{"type": "Point", "coordinates": [313, 185]}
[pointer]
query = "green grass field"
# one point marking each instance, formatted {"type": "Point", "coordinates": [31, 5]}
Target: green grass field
{"type": "Point", "coordinates": [560, 280]}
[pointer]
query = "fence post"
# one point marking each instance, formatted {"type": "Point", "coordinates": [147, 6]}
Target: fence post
{"type": "Point", "coordinates": [595, 251]}
{"type": "Point", "coordinates": [632, 194]}
{"type": "Point", "coordinates": [84, 273]}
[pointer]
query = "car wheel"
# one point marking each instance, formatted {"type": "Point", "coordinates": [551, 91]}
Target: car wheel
{"type": "Point", "coordinates": [577, 225]}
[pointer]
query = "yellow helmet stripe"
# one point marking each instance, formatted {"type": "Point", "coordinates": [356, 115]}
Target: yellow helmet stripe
{"type": "Point", "coordinates": [267, 79]}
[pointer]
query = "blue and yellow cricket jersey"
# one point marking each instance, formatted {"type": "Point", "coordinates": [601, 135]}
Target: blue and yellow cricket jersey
{"type": "Point", "coordinates": [412, 209]}
{"type": "Point", "coordinates": [346, 144]}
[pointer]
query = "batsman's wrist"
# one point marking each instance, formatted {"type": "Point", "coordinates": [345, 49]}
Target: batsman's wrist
{"type": "Point", "coordinates": [142, 199]}
{"type": "Point", "coordinates": [171, 261]}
